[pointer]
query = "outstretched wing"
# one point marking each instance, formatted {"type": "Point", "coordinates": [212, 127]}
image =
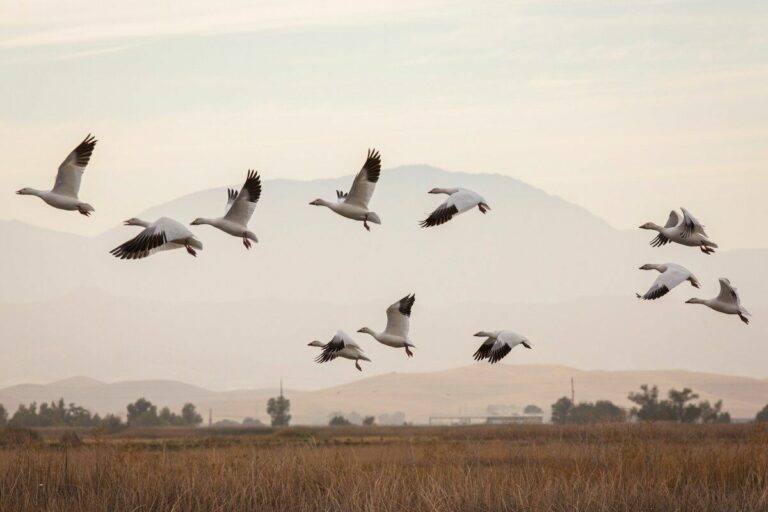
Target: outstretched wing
{"type": "Point", "coordinates": [365, 182]}
{"type": "Point", "coordinates": [498, 351]}
{"type": "Point", "coordinates": [727, 292]}
{"type": "Point", "coordinates": [331, 350]}
{"type": "Point", "coordinates": [398, 316]}
{"type": "Point", "coordinates": [231, 195]}
{"type": "Point", "coordinates": [664, 283]}
{"type": "Point", "coordinates": [659, 241]}
{"type": "Point", "coordinates": [142, 245]}
{"type": "Point", "coordinates": [245, 202]}
{"type": "Point", "coordinates": [672, 220]}
{"type": "Point", "coordinates": [484, 352]}
{"type": "Point", "coordinates": [442, 214]}
{"type": "Point", "coordinates": [691, 225]}
{"type": "Point", "coordinates": [72, 168]}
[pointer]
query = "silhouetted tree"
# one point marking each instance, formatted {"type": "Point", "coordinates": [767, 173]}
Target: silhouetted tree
{"type": "Point", "coordinates": [142, 413]}
{"type": "Point", "coordinates": [278, 409]}
{"type": "Point", "coordinates": [190, 416]}
{"type": "Point", "coordinates": [762, 415]}
{"type": "Point", "coordinates": [679, 406]}
{"type": "Point", "coordinates": [3, 416]}
{"type": "Point", "coordinates": [561, 410]}
{"type": "Point", "coordinates": [339, 421]}
{"type": "Point", "coordinates": [532, 409]}
{"type": "Point", "coordinates": [369, 420]}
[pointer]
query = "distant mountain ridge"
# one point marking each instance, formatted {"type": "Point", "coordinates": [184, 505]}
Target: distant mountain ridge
{"type": "Point", "coordinates": [419, 395]}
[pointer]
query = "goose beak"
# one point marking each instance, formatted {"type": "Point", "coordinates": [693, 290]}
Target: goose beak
{"type": "Point", "coordinates": [18, 192]}
{"type": "Point", "coordinates": [126, 223]}
{"type": "Point", "coordinates": [689, 301]}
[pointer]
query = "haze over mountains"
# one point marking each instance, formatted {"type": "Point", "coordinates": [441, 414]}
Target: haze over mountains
{"type": "Point", "coordinates": [233, 318]}
{"type": "Point", "coordinates": [468, 390]}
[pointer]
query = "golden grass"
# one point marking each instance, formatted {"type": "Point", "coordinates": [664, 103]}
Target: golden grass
{"type": "Point", "coordinates": [531, 468]}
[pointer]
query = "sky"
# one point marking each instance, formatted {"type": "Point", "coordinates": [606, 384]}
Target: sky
{"type": "Point", "coordinates": [627, 108]}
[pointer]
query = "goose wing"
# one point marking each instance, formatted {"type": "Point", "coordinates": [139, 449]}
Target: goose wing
{"type": "Point", "coordinates": [665, 282]}
{"type": "Point", "coordinates": [459, 202]}
{"type": "Point", "coordinates": [727, 292]}
{"type": "Point", "coordinates": [338, 343]}
{"type": "Point", "coordinates": [691, 225]}
{"type": "Point", "coordinates": [672, 220]}
{"type": "Point", "coordinates": [72, 168]}
{"type": "Point", "coordinates": [484, 352]}
{"type": "Point", "coordinates": [157, 234]}
{"type": "Point", "coordinates": [241, 209]}
{"type": "Point", "coordinates": [398, 316]}
{"type": "Point", "coordinates": [365, 182]}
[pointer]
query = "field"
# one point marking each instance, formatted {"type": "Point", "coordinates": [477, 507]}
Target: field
{"type": "Point", "coordinates": [532, 468]}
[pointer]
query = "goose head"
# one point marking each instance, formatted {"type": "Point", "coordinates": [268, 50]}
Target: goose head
{"type": "Point", "coordinates": [650, 225]}
{"type": "Point", "coordinates": [366, 330]}
{"type": "Point", "coordinates": [315, 343]}
{"type": "Point", "coordinates": [26, 191]}
{"type": "Point", "coordinates": [318, 202]}
{"type": "Point", "coordinates": [695, 301]}
{"type": "Point", "coordinates": [133, 221]}
{"type": "Point", "coordinates": [198, 221]}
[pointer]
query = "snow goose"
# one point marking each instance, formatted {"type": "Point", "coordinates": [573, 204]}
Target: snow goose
{"type": "Point", "coordinates": [354, 205]}
{"type": "Point", "coordinates": [498, 344]}
{"type": "Point", "coordinates": [340, 346]}
{"type": "Point", "coordinates": [727, 301]}
{"type": "Point", "coordinates": [239, 210]}
{"type": "Point", "coordinates": [162, 235]}
{"type": "Point", "coordinates": [688, 232]}
{"type": "Point", "coordinates": [398, 323]}
{"type": "Point", "coordinates": [671, 276]}
{"type": "Point", "coordinates": [459, 200]}
{"type": "Point", "coordinates": [64, 193]}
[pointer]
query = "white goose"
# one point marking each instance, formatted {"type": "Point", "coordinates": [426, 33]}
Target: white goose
{"type": "Point", "coordinates": [398, 324]}
{"type": "Point", "coordinates": [727, 301]}
{"type": "Point", "coordinates": [162, 235]}
{"type": "Point", "coordinates": [239, 210]}
{"type": "Point", "coordinates": [354, 205]}
{"type": "Point", "coordinates": [671, 276]}
{"type": "Point", "coordinates": [689, 232]}
{"type": "Point", "coordinates": [459, 200]}
{"type": "Point", "coordinates": [64, 193]}
{"type": "Point", "coordinates": [498, 344]}
{"type": "Point", "coordinates": [340, 346]}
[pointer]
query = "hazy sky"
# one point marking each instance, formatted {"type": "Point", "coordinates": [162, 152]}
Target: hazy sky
{"type": "Point", "coordinates": [627, 108]}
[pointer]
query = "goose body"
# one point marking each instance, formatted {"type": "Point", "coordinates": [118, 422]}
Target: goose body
{"type": "Point", "coordinates": [498, 344]}
{"type": "Point", "coordinates": [727, 301]}
{"type": "Point", "coordinates": [64, 194]}
{"type": "Point", "coordinates": [239, 210]}
{"type": "Point", "coordinates": [398, 324]}
{"type": "Point", "coordinates": [671, 276]}
{"type": "Point", "coordinates": [689, 232]}
{"type": "Point", "coordinates": [341, 345]}
{"type": "Point", "coordinates": [459, 200]}
{"type": "Point", "coordinates": [162, 235]}
{"type": "Point", "coordinates": [354, 204]}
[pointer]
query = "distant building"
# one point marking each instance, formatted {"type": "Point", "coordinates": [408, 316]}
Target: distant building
{"type": "Point", "coordinates": [514, 419]}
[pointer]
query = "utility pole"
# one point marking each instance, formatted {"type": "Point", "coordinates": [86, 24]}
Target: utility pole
{"type": "Point", "coordinates": [573, 394]}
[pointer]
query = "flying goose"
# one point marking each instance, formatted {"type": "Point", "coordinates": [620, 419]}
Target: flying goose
{"type": "Point", "coordinates": [162, 235]}
{"type": "Point", "coordinates": [340, 346]}
{"type": "Point", "coordinates": [671, 276]}
{"type": "Point", "coordinates": [398, 322]}
{"type": "Point", "coordinates": [727, 301]}
{"type": "Point", "coordinates": [354, 204]}
{"type": "Point", "coordinates": [498, 344]}
{"type": "Point", "coordinates": [689, 232]}
{"type": "Point", "coordinates": [239, 210]}
{"type": "Point", "coordinates": [64, 193]}
{"type": "Point", "coordinates": [459, 200]}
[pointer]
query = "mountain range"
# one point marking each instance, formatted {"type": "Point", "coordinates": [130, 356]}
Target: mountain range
{"type": "Point", "coordinates": [476, 389]}
{"type": "Point", "coordinates": [232, 318]}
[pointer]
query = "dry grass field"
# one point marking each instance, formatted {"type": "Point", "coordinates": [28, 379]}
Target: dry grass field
{"type": "Point", "coordinates": [531, 468]}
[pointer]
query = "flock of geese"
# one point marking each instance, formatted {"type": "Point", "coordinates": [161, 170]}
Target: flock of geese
{"type": "Point", "coordinates": [166, 234]}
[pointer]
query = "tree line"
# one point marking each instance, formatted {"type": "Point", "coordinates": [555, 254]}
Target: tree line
{"type": "Point", "coordinates": [59, 414]}
{"type": "Point", "coordinates": [679, 406]}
